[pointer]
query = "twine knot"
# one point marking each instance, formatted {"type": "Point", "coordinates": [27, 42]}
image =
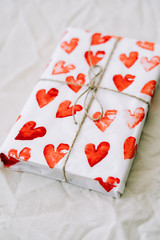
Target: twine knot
{"type": "Point", "coordinates": [94, 74]}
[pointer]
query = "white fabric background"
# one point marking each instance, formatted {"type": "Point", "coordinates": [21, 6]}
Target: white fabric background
{"type": "Point", "coordinates": [34, 207]}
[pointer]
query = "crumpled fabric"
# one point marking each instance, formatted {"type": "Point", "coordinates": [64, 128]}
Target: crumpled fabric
{"type": "Point", "coordinates": [33, 207]}
{"type": "Point", "coordinates": [102, 154]}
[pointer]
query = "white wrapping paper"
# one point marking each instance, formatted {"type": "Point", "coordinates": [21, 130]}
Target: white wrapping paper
{"type": "Point", "coordinates": [104, 150]}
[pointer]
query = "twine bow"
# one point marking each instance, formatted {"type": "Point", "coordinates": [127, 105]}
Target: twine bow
{"type": "Point", "coordinates": [93, 74]}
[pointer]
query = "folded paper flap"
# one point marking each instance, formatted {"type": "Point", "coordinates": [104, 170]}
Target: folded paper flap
{"type": "Point", "coordinates": [133, 68]}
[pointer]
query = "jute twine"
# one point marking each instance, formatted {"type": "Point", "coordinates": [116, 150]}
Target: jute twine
{"type": "Point", "coordinates": [95, 75]}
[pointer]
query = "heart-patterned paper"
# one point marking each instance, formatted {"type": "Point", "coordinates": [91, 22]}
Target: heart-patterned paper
{"type": "Point", "coordinates": [130, 147]}
{"type": "Point", "coordinates": [135, 118]}
{"type": "Point", "coordinates": [121, 82]}
{"type": "Point", "coordinates": [149, 88]}
{"type": "Point", "coordinates": [109, 184]}
{"type": "Point", "coordinates": [59, 68]}
{"type": "Point", "coordinates": [105, 121]}
{"type": "Point", "coordinates": [44, 98]}
{"type": "Point", "coordinates": [53, 156]}
{"type": "Point", "coordinates": [24, 154]}
{"type": "Point", "coordinates": [64, 109]}
{"type": "Point", "coordinates": [129, 61]}
{"type": "Point", "coordinates": [148, 65]}
{"type": "Point", "coordinates": [146, 45]}
{"type": "Point", "coordinates": [93, 155]}
{"type": "Point", "coordinates": [95, 58]}
{"type": "Point", "coordinates": [30, 132]}
{"type": "Point", "coordinates": [98, 39]}
{"type": "Point", "coordinates": [69, 47]}
{"type": "Point", "coordinates": [80, 80]}
{"type": "Point", "coordinates": [13, 156]}
{"type": "Point", "coordinates": [8, 161]}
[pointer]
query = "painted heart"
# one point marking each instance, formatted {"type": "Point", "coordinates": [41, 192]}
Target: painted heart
{"type": "Point", "coordinates": [53, 157]}
{"type": "Point", "coordinates": [13, 157]}
{"type": "Point", "coordinates": [149, 88]}
{"type": "Point", "coordinates": [104, 122]}
{"type": "Point", "coordinates": [135, 118]}
{"type": "Point", "coordinates": [24, 154]}
{"type": "Point", "coordinates": [94, 156]}
{"type": "Point", "coordinates": [44, 98]}
{"type": "Point", "coordinates": [122, 83]}
{"type": "Point", "coordinates": [130, 148]}
{"type": "Point", "coordinates": [146, 45]}
{"type": "Point", "coordinates": [129, 61]}
{"type": "Point", "coordinates": [59, 68]}
{"type": "Point", "coordinates": [109, 184]}
{"type": "Point", "coordinates": [80, 80]}
{"type": "Point", "coordinates": [64, 109]}
{"type": "Point", "coordinates": [29, 132]}
{"type": "Point", "coordinates": [98, 39]}
{"type": "Point", "coordinates": [149, 65]}
{"type": "Point", "coordinates": [94, 58]}
{"type": "Point", "coordinates": [69, 47]}
{"type": "Point", "coordinates": [8, 161]}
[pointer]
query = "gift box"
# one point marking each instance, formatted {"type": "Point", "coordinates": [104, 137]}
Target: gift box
{"type": "Point", "coordinates": [84, 118]}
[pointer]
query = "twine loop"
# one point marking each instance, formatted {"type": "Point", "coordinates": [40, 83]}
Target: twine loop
{"type": "Point", "coordinates": [94, 74]}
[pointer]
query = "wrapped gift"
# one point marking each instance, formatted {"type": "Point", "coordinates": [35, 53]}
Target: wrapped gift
{"type": "Point", "coordinates": [83, 120]}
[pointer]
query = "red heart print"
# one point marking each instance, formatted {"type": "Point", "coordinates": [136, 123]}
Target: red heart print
{"type": "Point", "coordinates": [149, 88]}
{"type": "Point", "coordinates": [53, 157]}
{"type": "Point", "coordinates": [59, 68]}
{"type": "Point", "coordinates": [95, 156]}
{"type": "Point", "coordinates": [94, 58]}
{"type": "Point", "coordinates": [149, 65]}
{"type": "Point", "coordinates": [98, 39]}
{"type": "Point", "coordinates": [135, 118]}
{"type": "Point", "coordinates": [24, 154]}
{"type": "Point", "coordinates": [64, 109]}
{"type": "Point", "coordinates": [44, 98]}
{"type": "Point", "coordinates": [104, 122]}
{"type": "Point", "coordinates": [129, 61]}
{"type": "Point", "coordinates": [69, 47]}
{"type": "Point", "coordinates": [130, 148]}
{"type": "Point", "coordinates": [122, 83]}
{"type": "Point", "coordinates": [13, 157]}
{"type": "Point", "coordinates": [8, 161]}
{"type": "Point", "coordinates": [29, 132]}
{"type": "Point", "coordinates": [146, 45]}
{"type": "Point", "coordinates": [109, 184]}
{"type": "Point", "coordinates": [80, 80]}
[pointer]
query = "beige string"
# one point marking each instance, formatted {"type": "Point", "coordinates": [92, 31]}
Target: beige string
{"type": "Point", "coordinates": [92, 87]}
{"type": "Point", "coordinates": [88, 106]}
{"type": "Point", "coordinates": [87, 85]}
